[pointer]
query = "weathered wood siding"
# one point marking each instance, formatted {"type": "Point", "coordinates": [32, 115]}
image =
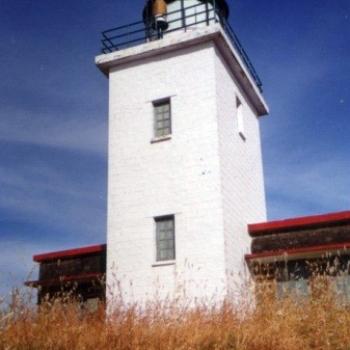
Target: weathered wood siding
{"type": "Point", "coordinates": [301, 238]}
{"type": "Point", "coordinates": [73, 266]}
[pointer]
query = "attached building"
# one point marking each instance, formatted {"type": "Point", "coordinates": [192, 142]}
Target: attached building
{"type": "Point", "coordinates": [81, 271]}
{"type": "Point", "coordinates": [292, 252]}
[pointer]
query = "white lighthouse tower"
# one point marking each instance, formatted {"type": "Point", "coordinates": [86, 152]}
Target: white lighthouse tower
{"type": "Point", "coordinates": [185, 168]}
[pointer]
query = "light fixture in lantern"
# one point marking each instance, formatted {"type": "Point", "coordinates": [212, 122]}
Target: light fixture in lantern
{"type": "Point", "coordinates": [159, 13]}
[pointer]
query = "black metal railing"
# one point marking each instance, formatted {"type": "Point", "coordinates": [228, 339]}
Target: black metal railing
{"type": "Point", "coordinates": [243, 54]}
{"type": "Point", "coordinates": [140, 32]}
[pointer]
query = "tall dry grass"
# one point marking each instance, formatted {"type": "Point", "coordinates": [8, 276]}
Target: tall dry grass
{"type": "Point", "coordinates": [319, 322]}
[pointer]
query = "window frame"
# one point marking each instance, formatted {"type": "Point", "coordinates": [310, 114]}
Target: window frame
{"type": "Point", "coordinates": [159, 133]}
{"type": "Point", "coordinates": [158, 258]}
{"type": "Point", "coordinates": [240, 118]}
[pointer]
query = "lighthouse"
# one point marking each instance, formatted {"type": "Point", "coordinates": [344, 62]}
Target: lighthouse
{"type": "Point", "coordinates": [185, 172]}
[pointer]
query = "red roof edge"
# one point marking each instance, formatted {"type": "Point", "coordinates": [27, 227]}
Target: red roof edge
{"type": "Point", "coordinates": [298, 223]}
{"type": "Point", "coordinates": [297, 251]}
{"type": "Point", "coordinates": [64, 254]}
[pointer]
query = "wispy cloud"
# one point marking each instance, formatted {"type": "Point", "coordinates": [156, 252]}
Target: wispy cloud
{"type": "Point", "coordinates": [16, 265]}
{"type": "Point", "coordinates": [52, 177]}
{"type": "Point", "coordinates": [47, 194]}
{"type": "Point", "coordinates": [51, 210]}
{"type": "Point", "coordinates": [308, 187]}
{"type": "Point", "coordinates": [80, 132]}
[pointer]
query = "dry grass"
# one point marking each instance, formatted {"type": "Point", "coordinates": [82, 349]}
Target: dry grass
{"type": "Point", "coordinates": [316, 323]}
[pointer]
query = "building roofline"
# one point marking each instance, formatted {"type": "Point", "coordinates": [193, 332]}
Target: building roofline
{"type": "Point", "coordinates": [64, 254]}
{"type": "Point", "coordinates": [331, 219]}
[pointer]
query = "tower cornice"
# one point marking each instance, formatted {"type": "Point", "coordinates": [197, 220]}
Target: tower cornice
{"type": "Point", "coordinates": [181, 40]}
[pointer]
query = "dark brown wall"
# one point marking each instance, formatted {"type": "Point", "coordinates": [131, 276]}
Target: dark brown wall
{"type": "Point", "coordinates": [301, 239]}
{"type": "Point", "coordinates": [73, 266]}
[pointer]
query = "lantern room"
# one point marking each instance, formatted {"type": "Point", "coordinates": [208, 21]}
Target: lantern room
{"type": "Point", "coordinates": [165, 16]}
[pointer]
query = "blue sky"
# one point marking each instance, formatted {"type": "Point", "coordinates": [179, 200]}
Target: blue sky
{"type": "Point", "coordinates": [53, 116]}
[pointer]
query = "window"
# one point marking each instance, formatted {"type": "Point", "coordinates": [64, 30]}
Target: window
{"type": "Point", "coordinates": [162, 118]}
{"type": "Point", "coordinates": [294, 280]}
{"type": "Point", "coordinates": [297, 288]}
{"type": "Point", "coordinates": [240, 118]}
{"type": "Point", "coordinates": [342, 288]}
{"type": "Point", "coordinates": [165, 238]}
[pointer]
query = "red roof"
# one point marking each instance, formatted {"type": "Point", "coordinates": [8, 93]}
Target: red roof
{"type": "Point", "coordinates": [299, 223]}
{"type": "Point", "coordinates": [64, 254]}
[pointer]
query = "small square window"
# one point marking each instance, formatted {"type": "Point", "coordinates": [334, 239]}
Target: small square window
{"type": "Point", "coordinates": [165, 238]}
{"type": "Point", "coordinates": [162, 118]}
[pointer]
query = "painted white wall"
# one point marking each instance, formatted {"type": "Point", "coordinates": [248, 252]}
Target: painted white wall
{"type": "Point", "coordinates": [206, 175]}
{"type": "Point", "coordinates": [180, 176]}
{"type": "Point", "coordinates": [241, 170]}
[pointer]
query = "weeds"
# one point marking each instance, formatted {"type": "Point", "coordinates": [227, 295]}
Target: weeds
{"type": "Point", "coordinates": [318, 322]}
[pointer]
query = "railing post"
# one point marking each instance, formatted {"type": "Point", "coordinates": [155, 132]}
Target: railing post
{"type": "Point", "coordinates": [158, 30]}
{"type": "Point", "coordinates": [183, 14]}
{"type": "Point", "coordinates": [207, 12]}
{"type": "Point", "coordinates": [215, 17]}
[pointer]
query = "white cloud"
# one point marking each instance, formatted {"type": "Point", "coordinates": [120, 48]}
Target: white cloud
{"type": "Point", "coordinates": [304, 187]}
{"type": "Point", "coordinates": [83, 133]}
{"type": "Point", "coordinates": [16, 264]}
